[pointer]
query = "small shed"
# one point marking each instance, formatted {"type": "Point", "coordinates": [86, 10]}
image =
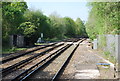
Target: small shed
{"type": "Point", "coordinates": [16, 40]}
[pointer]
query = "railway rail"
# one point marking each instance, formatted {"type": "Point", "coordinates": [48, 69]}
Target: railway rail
{"type": "Point", "coordinates": [14, 56]}
{"type": "Point", "coordinates": [28, 67]}
{"type": "Point", "coordinates": [26, 74]}
{"type": "Point", "coordinates": [55, 77]}
{"type": "Point", "coordinates": [22, 63]}
{"type": "Point", "coordinates": [22, 53]}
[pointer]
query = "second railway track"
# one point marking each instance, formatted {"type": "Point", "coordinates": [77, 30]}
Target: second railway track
{"type": "Point", "coordinates": [55, 64]}
{"type": "Point", "coordinates": [17, 63]}
{"type": "Point", "coordinates": [54, 59]}
{"type": "Point", "coordinates": [22, 53]}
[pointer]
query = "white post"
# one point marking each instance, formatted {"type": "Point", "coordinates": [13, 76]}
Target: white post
{"type": "Point", "coordinates": [41, 35]}
{"type": "Point", "coordinates": [95, 44]}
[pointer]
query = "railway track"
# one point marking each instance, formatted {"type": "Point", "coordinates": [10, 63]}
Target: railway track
{"type": "Point", "coordinates": [27, 60]}
{"type": "Point", "coordinates": [22, 53]}
{"type": "Point", "coordinates": [33, 64]}
{"type": "Point", "coordinates": [24, 69]}
{"type": "Point", "coordinates": [59, 54]}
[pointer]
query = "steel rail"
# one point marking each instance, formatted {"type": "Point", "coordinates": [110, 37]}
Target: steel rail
{"type": "Point", "coordinates": [20, 78]}
{"type": "Point", "coordinates": [29, 72]}
{"type": "Point", "coordinates": [16, 56]}
{"type": "Point", "coordinates": [24, 62]}
{"type": "Point", "coordinates": [54, 78]}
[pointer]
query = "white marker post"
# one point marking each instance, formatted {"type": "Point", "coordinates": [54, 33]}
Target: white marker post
{"type": "Point", "coordinates": [95, 44]}
{"type": "Point", "coordinates": [41, 36]}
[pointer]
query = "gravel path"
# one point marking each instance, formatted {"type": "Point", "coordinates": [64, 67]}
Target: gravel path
{"type": "Point", "coordinates": [83, 65]}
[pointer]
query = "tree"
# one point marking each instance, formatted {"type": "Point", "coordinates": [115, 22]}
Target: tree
{"type": "Point", "coordinates": [28, 29]}
{"type": "Point", "coordinates": [12, 16]}
{"type": "Point", "coordinates": [70, 27]}
{"type": "Point", "coordinates": [57, 26]}
{"type": "Point", "coordinates": [105, 17]}
{"type": "Point", "coordinates": [81, 31]}
{"type": "Point", "coordinates": [38, 19]}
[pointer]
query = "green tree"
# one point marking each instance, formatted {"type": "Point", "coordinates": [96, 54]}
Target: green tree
{"type": "Point", "coordinates": [103, 18]}
{"type": "Point", "coordinates": [39, 20]}
{"type": "Point", "coordinates": [57, 26]}
{"type": "Point", "coordinates": [70, 27]}
{"type": "Point", "coordinates": [12, 16]}
{"type": "Point", "coordinates": [28, 29]}
{"type": "Point", "coordinates": [81, 31]}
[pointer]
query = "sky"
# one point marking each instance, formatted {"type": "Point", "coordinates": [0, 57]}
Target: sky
{"type": "Point", "coordinates": [69, 9]}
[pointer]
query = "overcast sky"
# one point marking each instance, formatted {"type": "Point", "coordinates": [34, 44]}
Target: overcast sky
{"type": "Point", "coordinates": [69, 9]}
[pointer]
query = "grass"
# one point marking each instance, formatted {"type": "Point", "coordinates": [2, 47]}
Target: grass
{"type": "Point", "coordinates": [53, 39]}
{"type": "Point", "coordinates": [41, 43]}
{"type": "Point", "coordinates": [6, 50]}
{"type": "Point", "coordinates": [107, 55]}
{"type": "Point", "coordinates": [102, 41]}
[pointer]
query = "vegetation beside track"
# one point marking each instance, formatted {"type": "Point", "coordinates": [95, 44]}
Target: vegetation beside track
{"type": "Point", "coordinates": [7, 50]}
{"type": "Point", "coordinates": [103, 20]}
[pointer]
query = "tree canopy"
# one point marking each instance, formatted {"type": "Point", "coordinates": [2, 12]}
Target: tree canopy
{"type": "Point", "coordinates": [103, 18]}
{"type": "Point", "coordinates": [18, 19]}
{"type": "Point", "coordinates": [12, 17]}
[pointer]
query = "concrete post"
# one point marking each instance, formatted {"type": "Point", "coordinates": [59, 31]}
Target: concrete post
{"type": "Point", "coordinates": [95, 44]}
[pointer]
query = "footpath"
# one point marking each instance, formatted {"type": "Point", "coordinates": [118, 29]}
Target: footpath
{"type": "Point", "coordinates": [85, 65]}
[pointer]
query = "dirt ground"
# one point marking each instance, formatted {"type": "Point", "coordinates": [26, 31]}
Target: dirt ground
{"type": "Point", "coordinates": [84, 65]}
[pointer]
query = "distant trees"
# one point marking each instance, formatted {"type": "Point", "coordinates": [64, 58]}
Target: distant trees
{"type": "Point", "coordinates": [80, 30]}
{"type": "Point", "coordinates": [70, 27]}
{"type": "Point", "coordinates": [103, 18]}
{"type": "Point", "coordinates": [18, 19]}
{"type": "Point", "coordinates": [57, 26]}
{"type": "Point", "coordinates": [37, 19]}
